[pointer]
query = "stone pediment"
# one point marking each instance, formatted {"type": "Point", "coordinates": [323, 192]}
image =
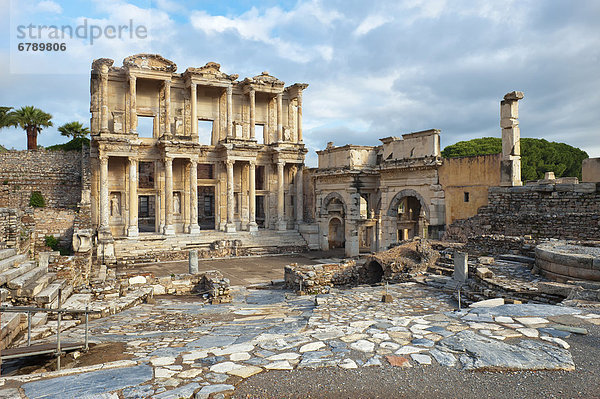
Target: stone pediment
{"type": "Point", "coordinates": [264, 79]}
{"type": "Point", "coordinates": [97, 64]}
{"type": "Point", "coordinates": [211, 70]}
{"type": "Point", "coordinates": [153, 62]}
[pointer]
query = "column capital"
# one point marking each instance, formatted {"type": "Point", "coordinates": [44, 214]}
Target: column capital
{"type": "Point", "coordinates": [229, 90]}
{"type": "Point", "coordinates": [252, 162]}
{"type": "Point", "coordinates": [280, 162]}
{"type": "Point", "coordinates": [169, 159]}
{"type": "Point", "coordinates": [229, 161]}
{"type": "Point", "coordinates": [103, 158]}
{"type": "Point", "coordinates": [132, 78]}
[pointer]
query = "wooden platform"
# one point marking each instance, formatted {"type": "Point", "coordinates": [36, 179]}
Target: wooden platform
{"type": "Point", "coordinates": [35, 350]}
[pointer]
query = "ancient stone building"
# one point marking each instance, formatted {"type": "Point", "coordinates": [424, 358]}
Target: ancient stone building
{"type": "Point", "coordinates": [368, 198]}
{"type": "Point", "coordinates": [181, 153]}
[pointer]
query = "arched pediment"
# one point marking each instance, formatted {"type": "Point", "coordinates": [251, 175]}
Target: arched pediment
{"type": "Point", "coordinates": [153, 62]}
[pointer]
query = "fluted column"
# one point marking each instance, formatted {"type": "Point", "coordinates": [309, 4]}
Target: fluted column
{"type": "Point", "coordinates": [229, 112]}
{"type": "Point", "coordinates": [104, 213]}
{"type": "Point", "coordinates": [230, 227]}
{"type": "Point", "coordinates": [194, 107]}
{"type": "Point", "coordinates": [252, 95]}
{"type": "Point", "coordinates": [132, 105]}
{"type": "Point", "coordinates": [194, 228]}
{"type": "Point", "coordinates": [167, 88]}
{"type": "Point", "coordinates": [299, 117]}
{"type": "Point", "coordinates": [299, 195]}
{"type": "Point", "coordinates": [280, 117]}
{"type": "Point", "coordinates": [132, 230]}
{"type": "Point", "coordinates": [281, 223]}
{"type": "Point", "coordinates": [104, 98]}
{"type": "Point", "coordinates": [252, 226]}
{"type": "Point", "coordinates": [169, 229]}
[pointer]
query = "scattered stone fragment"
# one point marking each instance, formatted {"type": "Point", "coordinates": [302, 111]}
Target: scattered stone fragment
{"type": "Point", "coordinates": [206, 391]}
{"type": "Point", "coordinates": [443, 358]}
{"type": "Point", "coordinates": [407, 350]}
{"type": "Point", "coordinates": [420, 358]}
{"type": "Point", "coordinates": [558, 341]}
{"type": "Point", "coordinates": [224, 367]}
{"type": "Point", "coordinates": [246, 371]}
{"type": "Point", "coordinates": [279, 365]}
{"type": "Point", "coordinates": [313, 346]}
{"type": "Point", "coordinates": [363, 345]}
{"type": "Point", "coordinates": [398, 361]}
{"type": "Point", "coordinates": [348, 364]}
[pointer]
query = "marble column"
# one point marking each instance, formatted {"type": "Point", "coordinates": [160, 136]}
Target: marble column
{"type": "Point", "coordinates": [104, 211]}
{"type": "Point", "coordinates": [230, 227]}
{"type": "Point", "coordinates": [299, 117]}
{"type": "Point", "coordinates": [252, 95]}
{"type": "Point", "coordinates": [194, 109]}
{"type": "Point", "coordinates": [229, 112]}
{"type": "Point", "coordinates": [167, 88]}
{"type": "Point", "coordinates": [279, 117]}
{"type": "Point", "coordinates": [252, 226]}
{"type": "Point", "coordinates": [194, 228]}
{"type": "Point", "coordinates": [132, 230]}
{"type": "Point", "coordinates": [281, 223]}
{"type": "Point", "coordinates": [104, 99]}
{"type": "Point", "coordinates": [132, 105]}
{"type": "Point", "coordinates": [299, 195]}
{"type": "Point", "coordinates": [169, 229]}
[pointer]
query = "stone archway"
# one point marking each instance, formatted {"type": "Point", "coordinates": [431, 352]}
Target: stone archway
{"type": "Point", "coordinates": [410, 215]}
{"type": "Point", "coordinates": [336, 236]}
{"type": "Point", "coordinates": [373, 272]}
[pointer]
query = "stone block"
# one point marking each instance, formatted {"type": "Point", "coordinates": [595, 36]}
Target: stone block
{"type": "Point", "coordinates": [488, 303]}
{"type": "Point", "coordinates": [461, 268]}
{"type": "Point", "coordinates": [193, 261]}
{"type": "Point", "coordinates": [484, 272]}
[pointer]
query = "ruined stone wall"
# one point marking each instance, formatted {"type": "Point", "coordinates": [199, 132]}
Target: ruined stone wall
{"type": "Point", "coordinates": [53, 222]}
{"type": "Point", "coordinates": [591, 170]}
{"type": "Point", "coordinates": [10, 225]}
{"type": "Point", "coordinates": [56, 174]}
{"type": "Point", "coordinates": [565, 211]}
{"type": "Point", "coordinates": [465, 182]}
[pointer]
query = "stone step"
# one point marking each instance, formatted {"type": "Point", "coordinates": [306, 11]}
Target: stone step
{"type": "Point", "coordinates": [12, 261]}
{"type": "Point", "coordinates": [66, 293]}
{"type": "Point", "coordinates": [49, 294]}
{"type": "Point", "coordinates": [10, 324]}
{"type": "Point", "coordinates": [34, 287]}
{"type": "Point", "coordinates": [7, 253]}
{"type": "Point", "coordinates": [25, 278]}
{"type": "Point", "coordinates": [15, 272]}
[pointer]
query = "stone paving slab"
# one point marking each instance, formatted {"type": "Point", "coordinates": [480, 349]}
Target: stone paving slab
{"type": "Point", "coordinates": [183, 345]}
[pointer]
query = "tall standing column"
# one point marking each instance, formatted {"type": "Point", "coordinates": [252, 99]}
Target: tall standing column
{"type": "Point", "coordinates": [169, 229]}
{"type": "Point", "coordinates": [281, 223]}
{"type": "Point", "coordinates": [299, 116]}
{"type": "Point", "coordinates": [104, 213]}
{"type": "Point", "coordinates": [167, 88]}
{"type": "Point", "coordinates": [132, 105]}
{"type": "Point", "coordinates": [252, 226]}
{"type": "Point", "coordinates": [230, 226]}
{"type": "Point", "coordinates": [194, 228]}
{"type": "Point", "coordinates": [229, 112]}
{"type": "Point", "coordinates": [510, 171]}
{"type": "Point", "coordinates": [194, 106]}
{"type": "Point", "coordinates": [104, 98]}
{"type": "Point", "coordinates": [252, 95]}
{"type": "Point", "coordinates": [299, 195]}
{"type": "Point", "coordinates": [132, 230]}
{"type": "Point", "coordinates": [279, 117]}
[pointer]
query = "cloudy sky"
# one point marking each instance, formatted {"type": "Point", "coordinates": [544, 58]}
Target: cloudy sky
{"type": "Point", "coordinates": [375, 68]}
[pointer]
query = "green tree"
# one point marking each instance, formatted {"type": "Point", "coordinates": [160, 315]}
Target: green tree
{"type": "Point", "coordinates": [32, 120]}
{"type": "Point", "coordinates": [5, 117]}
{"type": "Point", "coordinates": [74, 130]}
{"type": "Point", "coordinates": [538, 156]}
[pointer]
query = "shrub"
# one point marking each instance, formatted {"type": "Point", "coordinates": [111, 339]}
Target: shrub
{"type": "Point", "coordinates": [37, 200]}
{"type": "Point", "coordinates": [51, 242]}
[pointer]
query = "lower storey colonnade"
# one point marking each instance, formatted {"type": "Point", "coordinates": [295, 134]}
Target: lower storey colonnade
{"type": "Point", "coordinates": [177, 195]}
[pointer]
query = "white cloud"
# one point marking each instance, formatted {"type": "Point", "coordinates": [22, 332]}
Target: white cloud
{"type": "Point", "coordinates": [49, 6]}
{"type": "Point", "coordinates": [370, 23]}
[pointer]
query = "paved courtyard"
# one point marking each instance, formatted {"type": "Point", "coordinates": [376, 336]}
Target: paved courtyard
{"type": "Point", "coordinates": [180, 346]}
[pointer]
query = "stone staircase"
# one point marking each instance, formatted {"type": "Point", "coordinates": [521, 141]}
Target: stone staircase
{"type": "Point", "coordinates": [157, 247]}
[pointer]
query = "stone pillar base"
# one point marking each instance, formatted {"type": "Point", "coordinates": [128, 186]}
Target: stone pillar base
{"type": "Point", "coordinates": [230, 228]}
{"type": "Point", "coordinates": [194, 229]}
{"type": "Point", "coordinates": [104, 234]}
{"type": "Point", "coordinates": [169, 231]}
{"type": "Point", "coordinates": [133, 231]}
{"type": "Point", "coordinates": [282, 226]}
{"type": "Point", "coordinates": [252, 226]}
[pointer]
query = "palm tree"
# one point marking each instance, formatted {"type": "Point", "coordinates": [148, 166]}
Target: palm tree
{"type": "Point", "coordinates": [5, 118]}
{"type": "Point", "coordinates": [32, 120]}
{"type": "Point", "coordinates": [74, 130]}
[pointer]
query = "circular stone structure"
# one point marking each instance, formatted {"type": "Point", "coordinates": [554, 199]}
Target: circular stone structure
{"type": "Point", "coordinates": [561, 261]}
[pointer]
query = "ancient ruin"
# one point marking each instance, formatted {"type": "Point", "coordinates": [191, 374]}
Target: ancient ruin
{"type": "Point", "coordinates": [418, 259]}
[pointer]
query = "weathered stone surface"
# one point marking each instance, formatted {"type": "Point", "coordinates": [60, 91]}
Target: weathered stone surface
{"type": "Point", "coordinates": [398, 361]}
{"type": "Point", "coordinates": [206, 391]}
{"type": "Point", "coordinates": [489, 354]}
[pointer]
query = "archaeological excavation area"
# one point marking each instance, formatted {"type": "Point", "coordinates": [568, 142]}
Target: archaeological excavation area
{"type": "Point", "coordinates": [190, 252]}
